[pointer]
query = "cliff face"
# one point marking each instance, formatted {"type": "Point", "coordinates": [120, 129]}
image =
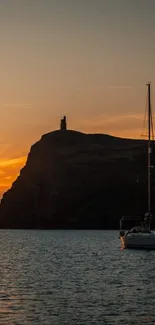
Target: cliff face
{"type": "Point", "coordinates": [76, 180]}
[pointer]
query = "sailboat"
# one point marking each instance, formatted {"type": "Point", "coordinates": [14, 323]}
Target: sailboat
{"type": "Point", "coordinates": [141, 235]}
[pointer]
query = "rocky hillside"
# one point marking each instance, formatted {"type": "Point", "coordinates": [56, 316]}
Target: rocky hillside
{"type": "Point", "coordinates": [76, 180]}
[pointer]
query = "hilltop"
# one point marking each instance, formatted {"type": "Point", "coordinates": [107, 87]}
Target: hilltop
{"type": "Point", "coordinates": [77, 180]}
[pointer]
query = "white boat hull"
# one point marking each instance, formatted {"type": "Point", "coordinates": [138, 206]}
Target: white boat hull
{"type": "Point", "coordinates": [140, 241]}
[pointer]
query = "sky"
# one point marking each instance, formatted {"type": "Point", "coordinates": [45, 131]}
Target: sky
{"type": "Point", "coordinates": [87, 59]}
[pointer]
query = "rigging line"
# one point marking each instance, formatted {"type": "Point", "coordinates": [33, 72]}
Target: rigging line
{"type": "Point", "coordinates": [151, 121]}
{"type": "Point", "coordinates": [152, 126]}
{"type": "Point", "coordinates": [153, 143]}
{"type": "Point", "coordinates": [144, 126]}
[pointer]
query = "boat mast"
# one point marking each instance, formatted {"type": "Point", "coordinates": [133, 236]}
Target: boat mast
{"type": "Point", "coordinates": [149, 153]}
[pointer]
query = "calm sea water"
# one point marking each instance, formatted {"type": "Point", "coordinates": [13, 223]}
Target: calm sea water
{"type": "Point", "coordinates": [74, 278]}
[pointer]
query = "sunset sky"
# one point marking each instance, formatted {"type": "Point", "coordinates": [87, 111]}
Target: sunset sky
{"type": "Point", "coordinates": [88, 59]}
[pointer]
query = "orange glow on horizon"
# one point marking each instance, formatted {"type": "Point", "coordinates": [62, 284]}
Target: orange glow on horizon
{"type": "Point", "coordinates": [9, 170]}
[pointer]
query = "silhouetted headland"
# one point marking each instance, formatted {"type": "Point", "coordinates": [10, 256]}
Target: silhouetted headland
{"type": "Point", "coordinates": [77, 180]}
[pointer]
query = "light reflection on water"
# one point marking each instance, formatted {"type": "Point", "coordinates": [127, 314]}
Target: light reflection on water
{"type": "Point", "coordinates": [74, 278]}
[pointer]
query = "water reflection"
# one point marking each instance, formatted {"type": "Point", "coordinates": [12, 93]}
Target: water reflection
{"type": "Point", "coordinates": [73, 277]}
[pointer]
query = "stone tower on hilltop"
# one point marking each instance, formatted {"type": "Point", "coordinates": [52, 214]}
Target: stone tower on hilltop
{"type": "Point", "coordinates": [63, 124]}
